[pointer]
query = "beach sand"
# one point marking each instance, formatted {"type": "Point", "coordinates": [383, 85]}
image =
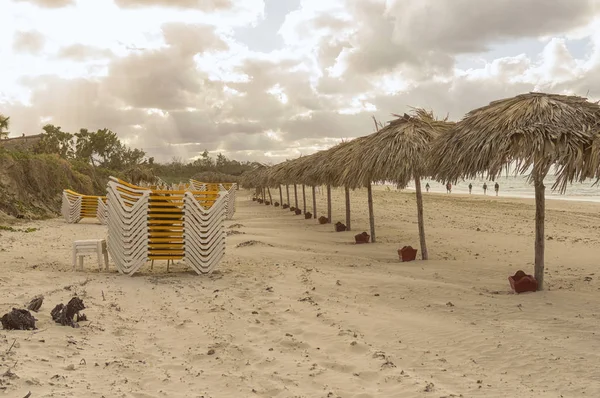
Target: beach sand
{"type": "Point", "coordinates": [301, 311]}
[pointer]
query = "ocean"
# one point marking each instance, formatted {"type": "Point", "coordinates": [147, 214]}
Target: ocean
{"type": "Point", "coordinates": [518, 187]}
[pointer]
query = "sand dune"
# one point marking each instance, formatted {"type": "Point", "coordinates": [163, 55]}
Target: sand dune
{"type": "Point", "coordinates": [297, 310]}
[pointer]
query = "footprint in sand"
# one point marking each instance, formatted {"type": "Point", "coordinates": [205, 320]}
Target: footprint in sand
{"type": "Point", "coordinates": [253, 243]}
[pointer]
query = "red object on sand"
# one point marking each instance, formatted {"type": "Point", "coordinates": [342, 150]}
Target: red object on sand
{"type": "Point", "coordinates": [363, 237]}
{"type": "Point", "coordinates": [521, 282]}
{"type": "Point", "coordinates": [339, 227]}
{"type": "Point", "coordinates": [407, 253]}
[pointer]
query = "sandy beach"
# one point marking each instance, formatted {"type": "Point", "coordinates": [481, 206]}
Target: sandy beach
{"type": "Point", "coordinates": [297, 310]}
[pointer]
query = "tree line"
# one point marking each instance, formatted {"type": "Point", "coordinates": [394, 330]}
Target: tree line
{"type": "Point", "coordinates": [104, 149]}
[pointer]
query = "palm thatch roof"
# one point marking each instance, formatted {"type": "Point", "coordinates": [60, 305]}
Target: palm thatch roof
{"type": "Point", "coordinates": [592, 159]}
{"type": "Point", "coordinates": [328, 167]}
{"type": "Point", "coordinates": [301, 170]}
{"type": "Point", "coordinates": [397, 152]}
{"type": "Point", "coordinates": [534, 130]}
{"type": "Point", "coordinates": [255, 178]}
{"type": "Point", "coordinates": [284, 173]}
{"type": "Point", "coordinates": [315, 169]}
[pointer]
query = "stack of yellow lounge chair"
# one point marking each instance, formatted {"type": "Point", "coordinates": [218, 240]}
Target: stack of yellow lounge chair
{"type": "Point", "coordinates": [76, 206]}
{"type": "Point", "coordinates": [227, 187]}
{"type": "Point", "coordinates": [146, 224]}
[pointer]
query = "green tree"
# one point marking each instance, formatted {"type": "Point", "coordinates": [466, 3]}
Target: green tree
{"type": "Point", "coordinates": [204, 162]}
{"type": "Point", "coordinates": [84, 148]}
{"type": "Point", "coordinates": [106, 148]}
{"type": "Point", "coordinates": [4, 124]}
{"type": "Point", "coordinates": [128, 157]}
{"type": "Point", "coordinates": [221, 161]}
{"type": "Point", "coordinates": [56, 141]}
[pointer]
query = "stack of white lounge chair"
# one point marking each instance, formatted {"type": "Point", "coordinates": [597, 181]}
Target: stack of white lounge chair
{"type": "Point", "coordinates": [146, 224]}
{"type": "Point", "coordinates": [204, 233]}
{"type": "Point", "coordinates": [76, 206]}
{"type": "Point", "coordinates": [229, 188]}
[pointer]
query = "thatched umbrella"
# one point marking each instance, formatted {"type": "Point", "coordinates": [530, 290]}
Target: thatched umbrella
{"type": "Point", "coordinates": [397, 153]}
{"type": "Point", "coordinates": [532, 131]}
{"type": "Point", "coordinates": [283, 173]}
{"type": "Point", "coordinates": [256, 178]}
{"type": "Point", "coordinates": [287, 172]}
{"type": "Point", "coordinates": [274, 171]}
{"type": "Point", "coordinates": [309, 172]}
{"type": "Point", "coordinates": [301, 171]}
{"type": "Point", "coordinates": [592, 160]}
{"type": "Point", "coordinates": [328, 169]}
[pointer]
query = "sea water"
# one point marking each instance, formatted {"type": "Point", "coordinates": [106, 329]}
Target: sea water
{"type": "Point", "coordinates": [519, 187]}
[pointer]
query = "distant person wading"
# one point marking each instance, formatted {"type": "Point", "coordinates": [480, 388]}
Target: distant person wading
{"type": "Point", "coordinates": [484, 188]}
{"type": "Point", "coordinates": [427, 187]}
{"type": "Point", "coordinates": [470, 187]}
{"type": "Point", "coordinates": [497, 188]}
{"type": "Point", "coordinates": [448, 188]}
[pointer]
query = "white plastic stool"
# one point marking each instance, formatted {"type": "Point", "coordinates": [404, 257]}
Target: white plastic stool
{"type": "Point", "coordinates": [83, 247]}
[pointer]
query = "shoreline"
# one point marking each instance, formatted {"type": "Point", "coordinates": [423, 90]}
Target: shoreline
{"type": "Point", "coordinates": [514, 196]}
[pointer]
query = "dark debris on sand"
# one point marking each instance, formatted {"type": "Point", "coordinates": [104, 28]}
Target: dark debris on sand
{"type": "Point", "coordinates": [65, 314]}
{"type": "Point", "coordinates": [36, 303]}
{"type": "Point", "coordinates": [18, 319]}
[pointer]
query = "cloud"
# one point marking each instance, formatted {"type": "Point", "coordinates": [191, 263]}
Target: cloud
{"type": "Point", "coordinates": [193, 38]}
{"type": "Point", "coordinates": [201, 5]}
{"type": "Point", "coordinates": [423, 36]}
{"type": "Point", "coordinates": [191, 86]}
{"type": "Point", "coordinates": [468, 26]}
{"type": "Point", "coordinates": [31, 42]}
{"type": "Point", "coordinates": [155, 79]}
{"type": "Point", "coordinates": [48, 3]}
{"type": "Point", "coordinates": [73, 104]}
{"type": "Point", "coordinates": [79, 52]}
{"type": "Point", "coordinates": [167, 78]}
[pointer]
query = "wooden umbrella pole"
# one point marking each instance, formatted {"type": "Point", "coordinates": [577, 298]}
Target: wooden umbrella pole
{"type": "Point", "coordinates": [540, 210]}
{"type": "Point", "coordinates": [347, 209]}
{"type": "Point", "coordinates": [280, 196]}
{"type": "Point", "coordinates": [303, 200]}
{"type": "Point", "coordinates": [270, 197]}
{"type": "Point", "coordinates": [329, 204]}
{"type": "Point", "coordinates": [296, 195]}
{"type": "Point", "coordinates": [263, 193]}
{"type": "Point", "coordinates": [287, 191]}
{"type": "Point", "coordinates": [314, 193]}
{"type": "Point", "coordinates": [371, 212]}
{"type": "Point", "coordinates": [424, 253]}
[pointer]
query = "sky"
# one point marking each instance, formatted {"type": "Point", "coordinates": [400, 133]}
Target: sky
{"type": "Point", "coordinates": [269, 80]}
